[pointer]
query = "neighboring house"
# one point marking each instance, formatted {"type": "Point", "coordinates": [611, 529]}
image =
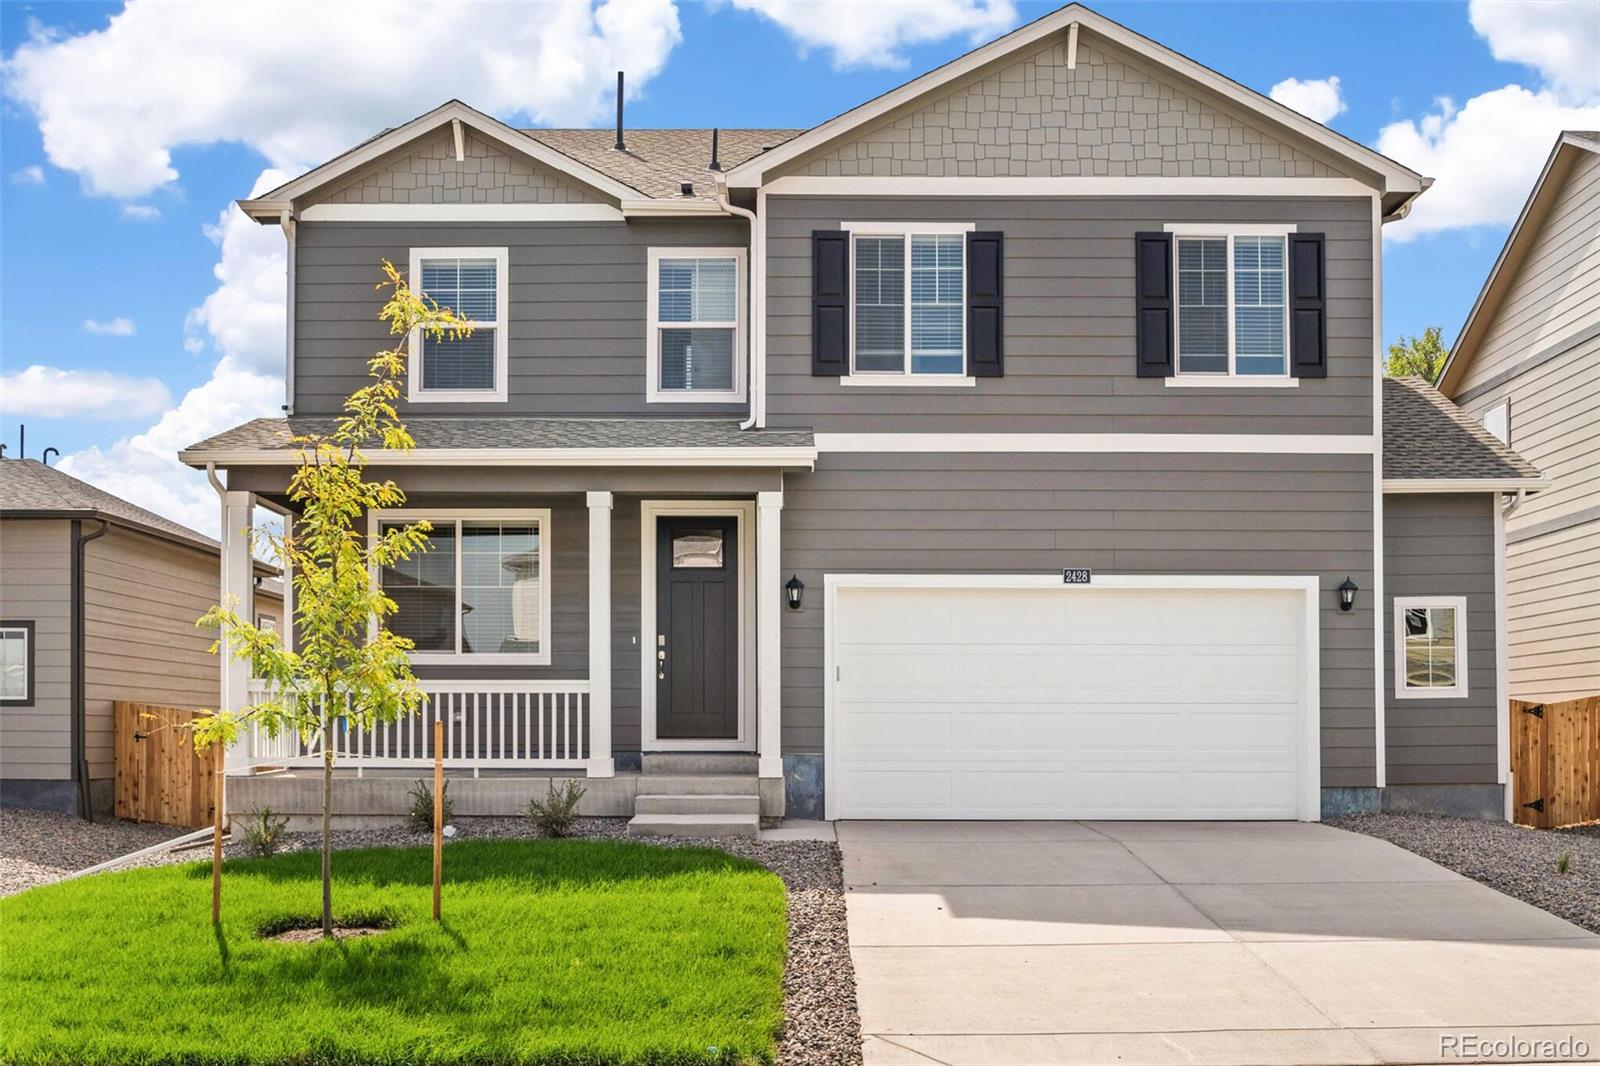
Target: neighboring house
{"type": "Point", "coordinates": [98, 602]}
{"type": "Point", "coordinates": [1011, 445]}
{"type": "Point", "coordinates": [1527, 363]}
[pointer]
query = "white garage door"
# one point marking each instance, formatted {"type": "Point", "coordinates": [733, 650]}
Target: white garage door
{"type": "Point", "coordinates": [1071, 702]}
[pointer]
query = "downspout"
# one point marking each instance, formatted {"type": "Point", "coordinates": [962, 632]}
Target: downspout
{"type": "Point", "coordinates": [80, 710]}
{"type": "Point", "coordinates": [758, 300]}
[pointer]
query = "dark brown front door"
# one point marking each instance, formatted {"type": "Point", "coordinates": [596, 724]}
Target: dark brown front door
{"type": "Point", "coordinates": [697, 629]}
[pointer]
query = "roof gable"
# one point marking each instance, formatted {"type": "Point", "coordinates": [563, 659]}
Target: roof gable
{"type": "Point", "coordinates": [1428, 438]}
{"type": "Point", "coordinates": [32, 489]}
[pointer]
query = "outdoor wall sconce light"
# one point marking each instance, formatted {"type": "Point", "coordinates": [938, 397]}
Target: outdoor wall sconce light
{"type": "Point", "coordinates": [1347, 595]}
{"type": "Point", "coordinates": [793, 592]}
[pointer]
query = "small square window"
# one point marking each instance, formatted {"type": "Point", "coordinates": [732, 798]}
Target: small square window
{"type": "Point", "coordinates": [1430, 647]}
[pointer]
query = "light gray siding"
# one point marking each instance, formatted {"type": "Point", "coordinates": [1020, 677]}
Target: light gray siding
{"type": "Point", "coordinates": [428, 173]}
{"type": "Point", "coordinates": [1442, 545]}
{"type": "Point", "coordinates": [577, 314]}
{"type": "Point", "coordinates": [1125, 514]}
{"type": "Point", "coordinates": [1069, 323]}
{"type": "Point", "coordinates": [36, 586]}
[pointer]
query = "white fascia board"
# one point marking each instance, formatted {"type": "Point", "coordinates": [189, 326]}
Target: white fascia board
{"type": "Point", "coordinates": [1146, 186]}
{"type": "Point", "coordinates": [646, 208]}
{"type": "Point", "coordinates": [461, 213]}
{"type": "Point", "coordinates": [1397, 178]}
{"type": "Point", "coordinates": [1465, 484]}
{"type": "Point", "coordinates": [1108, 443]}
{"type": "Point", "coordinates": [555, 457]}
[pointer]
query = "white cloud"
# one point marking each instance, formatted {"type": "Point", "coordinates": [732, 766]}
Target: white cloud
{"type": "Point", "coordinates": [117, 327]}
{"type": "Point", "coordinates": [49, 392]}
{"type": "Point", "coordinates": [141, 212]}
{"type": "Point", "coordinates": [29, 175]}
{"type": "Point", "coordinates": [1318, 99]}
{"type": "Point", "coordinates": [169, 75]}
{"type": "Point", "coordinates": [1558, 38]}
{"type": "Point", "coordinates": [875, 34]}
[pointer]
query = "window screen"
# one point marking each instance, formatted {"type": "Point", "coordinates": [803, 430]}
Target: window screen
{"type": "Point", "coordinates": [697, 315]}
{"type": "Point", "coordinates": [1258, 305]}
{"type": "Point", "coordinates": [937, 299]}
{"type": "Point", "coordinates": [469, 287]}
{"type": "Point", "coordinates": [880, 313]}
{"type": "Point", "coordinates": [1203, 305]}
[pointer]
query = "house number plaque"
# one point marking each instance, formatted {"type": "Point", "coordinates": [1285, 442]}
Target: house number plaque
{"type": "Point", "coordinates": [1076, 577]}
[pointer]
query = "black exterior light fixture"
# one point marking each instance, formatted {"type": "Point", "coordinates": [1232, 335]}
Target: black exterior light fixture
{"type": "Point", "coordinates": [794, 591]}
{"type": "Point", "coordinates": [1347, 595]}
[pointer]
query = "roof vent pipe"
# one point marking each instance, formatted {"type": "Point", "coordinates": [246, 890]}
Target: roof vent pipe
{"type": "Point", "coordinates": [715, 164]}
{"type": "Point", "coordinates": [620, 146]}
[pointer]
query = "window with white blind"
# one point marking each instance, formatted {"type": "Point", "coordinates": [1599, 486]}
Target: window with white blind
{"type": "Point", "coordinates": [481, 591]}
{"type": "Point", "coordinates": [472, 283]}
{"type": "Point", "coordinates": [695, 343]}
{"type": "Point", "coordinates": [908, 302]}
{"type": "Point", "coordinates": [16, 663]}
{"type": "Point", "coordinates": [1232, 309]}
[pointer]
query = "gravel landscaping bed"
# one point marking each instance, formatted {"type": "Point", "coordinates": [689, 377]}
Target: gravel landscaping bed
{"type": "Point", "coordinates": [38, 847]}
{"type": "Point", "coordinates": [1518, 861]}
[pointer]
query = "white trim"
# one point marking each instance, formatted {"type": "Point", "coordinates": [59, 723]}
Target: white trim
{"type": "Point", "coordinates": [1458, 604]}
{"type": "Point", "coordinates": [673, 208]}
{"type": "Point", "coordinates": [1230, 229]}
{"type": "Point", "coordinates": [501, 326]}
{"type": "Point", "coordinates": [1072, 46]}
{"type": "Point", "coordinates": [763, 456]}
{"type": "Point", "coordinates": [1311, 679]}
{"type": "Point", "coordinates": [906, 229]}
{"type": "Point", "coordinates": [1464, 484]}
{"type": "Point", "coordinates": [1228, 233]}
{"type": "Point", "coordinates": [1380, 710]}
{"type": "Point", "coordinates": [1503, 410]}
{"type": "Point", "coordinates": [1502, 659]}
{"type": "Point", "coordinates": [1224, 443]}
{"type": "Point", "coordinates": [744, 511]}
{"type": "Point", "coordinates": [968, 187]}
{"type": "Point", "coordinates": [653, 393]}
{"type": "Point", "coordinates": [1217, 381]}
{"type": "Point", "coordinates": [1396, 177]}
{"type": "Point", "coordinates": [455, 131]}
{"type": "Point", "coordinates": [770, 605]}
{"type": "Point", "coordinates": [290, 226]}
{"type": "Point", "coordinates": [461, 213]}
{"type": "Point", "coordinates": [458, 515]}
{"type": "Point", "coordinates": [758, 302]}
{"type": "Point", "coordinates": [601, 763]}
{"type": "Point", "coordinates": [908, 381]}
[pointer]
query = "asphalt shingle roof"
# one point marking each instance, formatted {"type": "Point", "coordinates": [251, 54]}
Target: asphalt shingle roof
{"type": "Point", "coordinates": [658, 162]}
{"type": "Point", "coordinates": [444, 432]}
{"type": "Point", "coordinates": [1425, 436]}
{"type": "Point", "coordinates": [27, 486]}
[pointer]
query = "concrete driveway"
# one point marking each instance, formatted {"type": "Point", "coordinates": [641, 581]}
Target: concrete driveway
{"type": "Point", "coordinates": [1194, 942]}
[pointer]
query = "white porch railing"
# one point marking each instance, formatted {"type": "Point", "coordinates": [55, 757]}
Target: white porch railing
{"type": "Point", "coordinates": [487, 724]}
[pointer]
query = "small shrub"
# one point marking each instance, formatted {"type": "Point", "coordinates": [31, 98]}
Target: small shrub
{"type": "Point", "coordinates": [1564, 862]}
{"type": "Point", "coordinates": [420, 816]}
{"type": "Point", "coordinates": [263, 833]}
{"type": "Point", "coordinates": [555, 813]}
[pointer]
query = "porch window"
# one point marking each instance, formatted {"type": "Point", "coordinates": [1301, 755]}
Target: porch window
{"type": "Point", "coordinates": [695, 343]}
{"type": "Point", "coordinates": [1430, 647]}
{"type": "Point", "coordinates": [908, 286]}
{"type": "Point", "coordinates": [480, 592]}
{"type": "Point", "coordinates": [16, 664]}
{"type": "Point", "coordinates": [472, 283]}
{"type": "Point", "coordinates": [1232, 313]}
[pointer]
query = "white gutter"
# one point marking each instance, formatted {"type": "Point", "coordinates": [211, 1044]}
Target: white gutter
{"type": "Point", "coordinates": [764, 456]}
{"type": "Point", "coordinates": [758, 301]}
{"type": "Point", "coordinates": [287, 221]}
{"type": "Point", "coordinates": [1519, 485]}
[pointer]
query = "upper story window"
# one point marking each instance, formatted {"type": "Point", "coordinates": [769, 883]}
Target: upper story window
{"type": "Point", "coordinates": [696, 340]}
{"type": "Point", "coordinates": [1430, 647]}
{"type": "Point", "coordinates": [1232, 308]}
{"type": "Point", "coordinates": [472, 283]}
{"type": "Point", "coordinates": [908, 296]}
{"type": "Point", "coordinates": [16, 663]}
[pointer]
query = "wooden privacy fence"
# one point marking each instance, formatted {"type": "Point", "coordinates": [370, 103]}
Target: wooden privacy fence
{"type": "Point", "coordinates": [1555, 762]}
{"type": "Point", "coordinates": [159, 778]}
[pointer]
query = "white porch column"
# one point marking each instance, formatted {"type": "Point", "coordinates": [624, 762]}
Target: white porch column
{"type": "Point", "coordinates": [601, 763]}
{"type": "Point", "coordinates": [769, 634]}
{"type": "Point", "coordinates": [238, 593]}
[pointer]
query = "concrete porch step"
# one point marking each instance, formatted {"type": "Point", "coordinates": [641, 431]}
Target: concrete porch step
{"type": "Point", "coordinates": [695, 825]}
{"type": "Point", "coordinates": [709, 803]}
{"type": "Point", "coordinates": [696, 762]}
{"type": "Point", "coordinates": [699, 784]}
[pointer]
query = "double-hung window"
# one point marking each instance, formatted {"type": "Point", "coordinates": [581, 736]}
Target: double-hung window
{"type": "Point", "coordinates": [1233, 306]}
{"type": "Point", "coordinates": [908, 303]}
{"type": "Point", "coordinates": [696, 340]}
{"type": "Point", "coordinates": [16, 664]}
{"type": "Point", "coordinates": [1430, 647]}
{"type": "Point", "coordinates": [466, 369]}
{"type": "Point", "coordinates": [480, 592]}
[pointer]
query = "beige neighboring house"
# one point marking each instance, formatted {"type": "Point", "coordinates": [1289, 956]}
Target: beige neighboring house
{"type": "Point", "coordinates": [98, 601]}
{"type": "Point", "coordinates": [1527, 363]}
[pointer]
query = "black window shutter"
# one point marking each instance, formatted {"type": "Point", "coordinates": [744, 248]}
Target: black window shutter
{"type": "Point", "coordinates": [1308, 306]}
{"type": "Point", "coordinates": [1153, 304]}
{"type": "Point", "coordinates": [830, 303]}
{"type": "Point", "coordinates": [986, 313]}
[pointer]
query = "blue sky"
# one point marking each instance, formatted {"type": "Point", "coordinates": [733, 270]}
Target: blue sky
{"type": "Point", "coordinates": [74, 248]}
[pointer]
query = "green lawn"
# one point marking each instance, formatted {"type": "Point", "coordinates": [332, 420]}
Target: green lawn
{"type": "Point", "coordinates": [550, 952]}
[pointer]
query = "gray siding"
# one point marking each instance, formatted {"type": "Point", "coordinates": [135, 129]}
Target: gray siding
{"type": "Point", "coordinates": [36, 586]}
{"type": "Point", "coordinates": [1129, 514]}
{"type": "Point", "coordinates": [1442, 546]}
{"type": "Point", "coordinates": [428, 173]}
{"type": "Point", "coordinates": [577, 312]}
{"type": "Point", "coordinates": [1069, 323]}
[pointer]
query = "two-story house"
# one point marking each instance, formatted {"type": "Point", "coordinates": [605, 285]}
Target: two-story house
{"type": "Point", "coordinates": [1012, 445]}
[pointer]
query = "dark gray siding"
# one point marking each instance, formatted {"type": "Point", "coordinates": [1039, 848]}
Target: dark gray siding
{"type": "Point", "coordinates": [1069, 322]}
{"type": "Point", "coordinates": [577, 315]}
{"type": "Point", "coordinates": [1442, 546]}
{"type": "Point", "coordinates": [1127, 514]}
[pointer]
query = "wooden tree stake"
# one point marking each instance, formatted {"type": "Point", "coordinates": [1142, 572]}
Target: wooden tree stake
{"type": "Point", "coordinates": [216, 848]}
{"type": "Point", "coordinates": [438, 811]}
